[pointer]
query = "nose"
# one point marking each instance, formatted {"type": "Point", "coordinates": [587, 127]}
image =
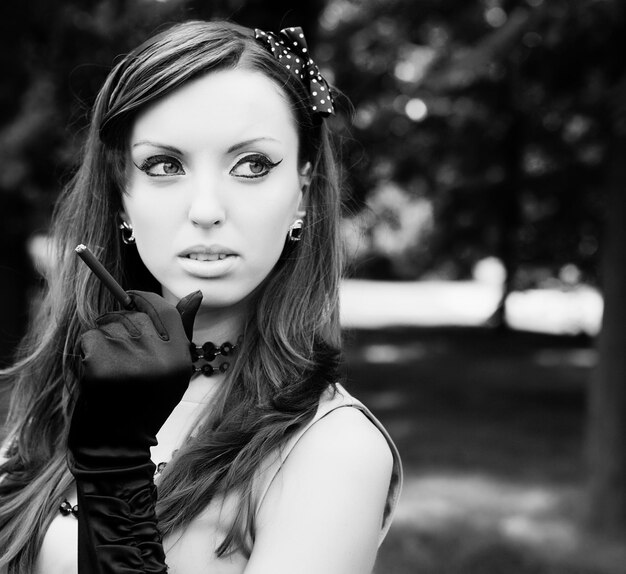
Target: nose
{"type": "Point", "coordinates": [207, 208]}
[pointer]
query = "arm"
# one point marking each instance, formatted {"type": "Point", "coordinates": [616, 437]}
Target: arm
{"type": "Point", "coordinates": [117, 526]}
{"type": "Point", "coordinates": [136, 367]}
{"type": "Point", "coordinates": [324, 510]}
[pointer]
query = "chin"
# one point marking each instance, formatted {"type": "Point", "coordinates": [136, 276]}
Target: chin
{"type": "Point", "coordinates": [215, 294]}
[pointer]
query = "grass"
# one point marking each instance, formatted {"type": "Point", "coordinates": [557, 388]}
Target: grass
{"type": "Point", "coordinates": [490, 427]}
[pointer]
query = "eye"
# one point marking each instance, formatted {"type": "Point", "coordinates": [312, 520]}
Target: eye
{"type": "Point", "coordinates": [253, 166]}
{"type": "Point", "coordinates": [161, 166]}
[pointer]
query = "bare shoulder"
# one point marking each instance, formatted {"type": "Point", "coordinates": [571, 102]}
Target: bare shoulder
{"type": "Point", "coordinates": [342, 448]}
{"type": "Point", "coordinates": [347, 438]}
{"type": "Point", "coordinates": [323, 510]}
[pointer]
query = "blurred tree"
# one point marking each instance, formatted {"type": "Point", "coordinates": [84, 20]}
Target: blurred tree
{"type": "Point", "coordinates": [491, 112]}
{"type": "Point", "coordinates": [606, 432]}
{"type": "Point", "coordinates": [496, 112]}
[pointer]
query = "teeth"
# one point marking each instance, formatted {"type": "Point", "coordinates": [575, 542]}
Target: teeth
{"type": "Point", "coordinates": [207, 256]}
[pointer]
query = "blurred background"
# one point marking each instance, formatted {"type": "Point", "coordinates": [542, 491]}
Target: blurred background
{"type": "Point", "coordinates": [484, 154]}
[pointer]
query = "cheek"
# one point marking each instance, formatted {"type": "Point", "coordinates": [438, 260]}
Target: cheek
{"type": "Point", "coordinates": [266, 230]}
{"type": "Point", "coordinates": [154, 223]}
{"type": "Point", "coordinates": [152, 213]}
{"type": "Point", "coordinates": [266, 233]}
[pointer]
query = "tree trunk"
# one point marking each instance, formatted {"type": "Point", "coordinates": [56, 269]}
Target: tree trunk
{"type": "Point", "coordinates": [606, 436]}
{"type": "Point", "coordinates": [508, 198]}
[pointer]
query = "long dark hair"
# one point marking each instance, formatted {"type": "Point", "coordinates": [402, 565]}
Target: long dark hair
{"type": "Point", "coordinates": [291, 343]}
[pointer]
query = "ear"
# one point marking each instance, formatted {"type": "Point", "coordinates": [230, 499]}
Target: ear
{"type": "Point", "coordinates": [123, 216]}
{"type": "Point", "coordinates": [305, 175]}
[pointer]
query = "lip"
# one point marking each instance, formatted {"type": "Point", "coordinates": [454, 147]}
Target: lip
{"type": "Point", "coordinates": [206, 250]}
{"type": "Point", "coordinates": [212, 269]}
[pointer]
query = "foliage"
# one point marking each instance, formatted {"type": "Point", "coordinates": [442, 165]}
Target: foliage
{"type": "Point", "coordinates": [496, 111]}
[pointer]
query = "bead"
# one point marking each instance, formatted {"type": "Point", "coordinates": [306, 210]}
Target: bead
{"type": "Point", "coordinates": [209, 350]}
{"type": "Point", "coordinates": [66, 508]}
{"type": "Point", "coordinates": [208, 347]}
{"type": "Point", "coordinates": [207, 370]}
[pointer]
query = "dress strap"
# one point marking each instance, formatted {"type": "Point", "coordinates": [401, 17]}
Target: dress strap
{"type": "Point", "coordinates": [331, 400]}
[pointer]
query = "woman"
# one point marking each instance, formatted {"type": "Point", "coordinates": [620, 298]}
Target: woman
{"type": "Point", "coordinates": [208, 178]}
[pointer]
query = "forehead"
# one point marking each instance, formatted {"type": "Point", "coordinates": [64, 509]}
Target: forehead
{"type": "Point", "coordinates": [219, 108]}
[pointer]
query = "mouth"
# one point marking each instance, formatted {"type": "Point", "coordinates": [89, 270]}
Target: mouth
{"type": "Point", "coordinates": [208, 261]}
{"type": "Point", "coordinates": [207, 253]}
{"type": "Point", "coordinates": [207, 256]}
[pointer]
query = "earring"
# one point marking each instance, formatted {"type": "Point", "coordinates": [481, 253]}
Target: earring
{"type": "Point", "coordinates": [128, 235]}
{"type": "Point", "coordinates": [295, 230]}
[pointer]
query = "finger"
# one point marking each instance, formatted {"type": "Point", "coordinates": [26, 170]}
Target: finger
{"type": "Point", "coordinates": [188, 307]}
{"type": "Point", "coordinates": [162, 314]}
{"type": "Point", "coordinates": [117, 324]}
{"type": "Point", "coordinates": [90, 340]}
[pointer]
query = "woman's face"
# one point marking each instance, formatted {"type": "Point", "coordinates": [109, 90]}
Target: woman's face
{"type": "Point", "coordinates": [213, 185]}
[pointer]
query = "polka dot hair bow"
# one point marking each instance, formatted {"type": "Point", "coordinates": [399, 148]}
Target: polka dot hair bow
{"type": "Point", "coordinates": [290, 49]}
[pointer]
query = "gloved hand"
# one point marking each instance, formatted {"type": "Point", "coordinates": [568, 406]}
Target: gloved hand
{"type": "Point", "coordinates": [136, 368]}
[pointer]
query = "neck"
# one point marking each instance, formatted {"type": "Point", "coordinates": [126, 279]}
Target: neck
{"type": "Point", "coordinates": [218, 325]}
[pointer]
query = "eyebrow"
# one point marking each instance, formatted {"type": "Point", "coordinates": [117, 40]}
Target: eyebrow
{"type": "Point", "coordinates": [231, 149]}
{"type": "Point", "coordinates": [155, 144]}
{"type": "Point", "coordinates": [245, 143]}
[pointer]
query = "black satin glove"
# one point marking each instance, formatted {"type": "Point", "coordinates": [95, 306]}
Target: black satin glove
{"type": "Point", "coordinates": [136, 368]}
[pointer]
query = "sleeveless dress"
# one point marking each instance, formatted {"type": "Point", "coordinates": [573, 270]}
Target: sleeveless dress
{"type": "Point", "coordinates": [192, 550]}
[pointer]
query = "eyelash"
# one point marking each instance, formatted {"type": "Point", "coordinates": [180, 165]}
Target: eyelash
{"type": "Point", "coordinates": [267, 164]}
{"type": "Point", "coordinates": [152, 161]}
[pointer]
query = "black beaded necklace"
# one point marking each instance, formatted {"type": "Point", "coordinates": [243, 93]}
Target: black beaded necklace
{"type": "Point", "coordinates": [208, 352]}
